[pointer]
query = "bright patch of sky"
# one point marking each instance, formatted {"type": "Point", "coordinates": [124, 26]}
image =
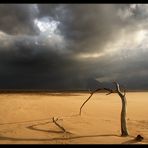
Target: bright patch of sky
{"type": "Point", "coordinates": [47, 26]}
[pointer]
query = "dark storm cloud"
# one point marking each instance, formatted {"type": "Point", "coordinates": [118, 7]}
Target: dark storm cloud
{"type": "Point", "coordinates": [18, 18]}
{"type": "Point", "coordinates": [45, 69]}
{"type": "Point", "coordinates": [69, 57]}
{"type": "Point", "coordinates": [88, 27]}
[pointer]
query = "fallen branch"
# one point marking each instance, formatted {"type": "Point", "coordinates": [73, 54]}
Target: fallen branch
{"type": "Point", "coordinates": [55, 121]}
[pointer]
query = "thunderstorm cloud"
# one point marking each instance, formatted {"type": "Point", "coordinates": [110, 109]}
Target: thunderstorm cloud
{"type": "Point", "coordinates": [73, 46]}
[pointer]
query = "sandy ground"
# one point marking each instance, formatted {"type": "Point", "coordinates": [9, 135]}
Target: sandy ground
{"type": "Point", "coordinates": [27, 118]}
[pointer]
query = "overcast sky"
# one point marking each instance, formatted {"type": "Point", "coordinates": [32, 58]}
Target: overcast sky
{"type": "Point", "coordinates": [72, 46]}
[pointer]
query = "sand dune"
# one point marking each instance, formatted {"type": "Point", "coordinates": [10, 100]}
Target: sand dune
{"type": "Point", "coordinates": [27, 118]}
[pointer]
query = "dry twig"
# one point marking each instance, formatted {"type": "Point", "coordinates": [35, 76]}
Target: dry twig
{"type": "Point", "coordinates": [55, 121]}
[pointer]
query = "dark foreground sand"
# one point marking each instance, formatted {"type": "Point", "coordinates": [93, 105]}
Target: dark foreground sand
{"type": "Point", "coordinates": [27, 118]}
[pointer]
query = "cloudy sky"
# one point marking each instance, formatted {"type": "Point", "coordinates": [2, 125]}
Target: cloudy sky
{"type": "Point", "coordinates": [73, 46]}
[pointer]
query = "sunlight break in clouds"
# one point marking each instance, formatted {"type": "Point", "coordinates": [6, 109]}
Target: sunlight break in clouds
{"type": "Point", "coordinates": [47, 25]}
{"type": "Point", "coordinates": [49, 35]}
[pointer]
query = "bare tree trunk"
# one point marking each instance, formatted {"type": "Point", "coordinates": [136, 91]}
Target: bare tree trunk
{"type": "Point", "coordinates": [124, 131]}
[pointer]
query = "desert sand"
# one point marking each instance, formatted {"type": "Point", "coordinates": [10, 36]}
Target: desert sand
{"type": "Point", "coordinates": [26, 118]}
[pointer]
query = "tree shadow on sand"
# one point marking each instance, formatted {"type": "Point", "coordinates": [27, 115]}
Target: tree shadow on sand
{"type": "Point", "coordinates": [67, 134]}
{"type": "Point", "coordinates": [32, 127]}
{"type": "Point", "coordinates": [52, 139]}
{"type": "Point", "coordinates": [133, 141]}
{"type": "Point", "coordinates": [64, 135]}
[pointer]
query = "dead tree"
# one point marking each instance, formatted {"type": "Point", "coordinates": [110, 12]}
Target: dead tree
{"type": "Point", "coordinates": [124, 131]}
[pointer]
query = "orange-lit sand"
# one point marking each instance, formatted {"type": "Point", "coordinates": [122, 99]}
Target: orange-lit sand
{"type": "Point", "coordinates": [27, 118]}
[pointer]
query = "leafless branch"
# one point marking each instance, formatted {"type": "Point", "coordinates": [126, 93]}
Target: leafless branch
{"type": "Point", "coordinates": [84, 103]}
{"type": "Point", "coordinates": [124, 93]}
{"type": "Point", "coordinates": [107, 89]}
